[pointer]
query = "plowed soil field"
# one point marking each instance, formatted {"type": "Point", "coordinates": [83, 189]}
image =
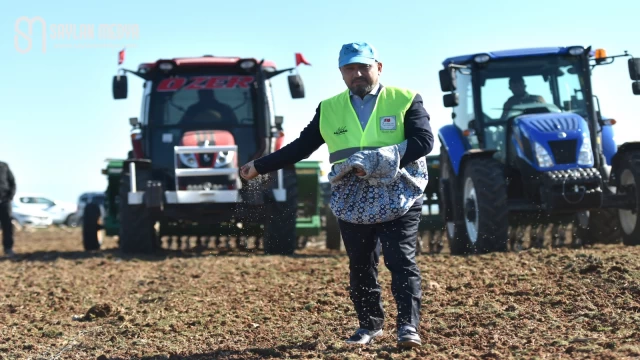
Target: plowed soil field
{"type": "Point", "coordinates": [57, 301]}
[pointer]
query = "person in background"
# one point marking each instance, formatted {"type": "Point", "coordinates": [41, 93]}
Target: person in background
{"type": "Point", "coordinates": [7, 192]}
{"type": "Point", "coordinates": [520, 96]}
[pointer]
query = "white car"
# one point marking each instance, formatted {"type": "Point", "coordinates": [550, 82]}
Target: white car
{"type": "Point", "coordinates": [30, 217]}
{"type": "Point", "coordinates": [61, 212]}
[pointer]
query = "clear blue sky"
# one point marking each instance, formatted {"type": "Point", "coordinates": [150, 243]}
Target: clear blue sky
{"type": "Point", "coordinates": [59, 121]}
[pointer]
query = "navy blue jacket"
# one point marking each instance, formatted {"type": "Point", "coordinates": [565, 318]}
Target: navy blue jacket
{"type": "Point", "coordinates": [7, 183]}
{"type": "Point", "coordinates": [417, 131]}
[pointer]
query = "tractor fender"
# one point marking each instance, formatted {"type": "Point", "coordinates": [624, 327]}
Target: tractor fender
{"type": "Point", "coordinates": [608, 144]}
{"type": "Point", "coordinates": [455, 144]}
{"type": "Point", "coordinates": [615, 160]}
{"type": "Point", "coordinates": [140, 164]}
{"type": "Point", "coordinates": [472, 154]}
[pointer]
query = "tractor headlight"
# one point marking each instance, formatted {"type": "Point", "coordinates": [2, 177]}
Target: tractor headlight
{"type": "Point", "coordinates": [481, 58]}
{"type": "Point", "coordinates": [585, 157]}
{"type": "Point", "coordinates": [576, 50]}
{"type": "Point", "coordinates": [543, 157]}
{"type": "Point", "coordinates": [224, 159]}
{"type": "Point", "coordinates": [189, 160]}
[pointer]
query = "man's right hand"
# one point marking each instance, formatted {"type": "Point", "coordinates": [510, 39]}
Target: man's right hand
{"type": "Point", "coordinates": [248, 171]}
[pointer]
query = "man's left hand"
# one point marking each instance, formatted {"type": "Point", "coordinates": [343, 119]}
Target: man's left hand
{"type": "Point", "coordinates": [359, 172]}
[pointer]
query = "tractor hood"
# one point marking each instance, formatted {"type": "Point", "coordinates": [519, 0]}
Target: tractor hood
{"type": "Point", "coordinates": [553, 141]}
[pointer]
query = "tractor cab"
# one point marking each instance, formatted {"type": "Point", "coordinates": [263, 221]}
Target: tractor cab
{"type": "Point", "coordinates": [544, 92]}
{"type": "Point", "coordinates": [201, 119]}
{"type": "Point", "coordinates": [205, 101]}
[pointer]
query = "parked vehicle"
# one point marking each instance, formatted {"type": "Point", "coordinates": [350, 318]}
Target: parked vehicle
{"type": "Point", "coordinates": [83, 200]}
{"type": "Point", "coordinates": [61, 212]}
{"type": "Point", "coordinates": [30, 216]}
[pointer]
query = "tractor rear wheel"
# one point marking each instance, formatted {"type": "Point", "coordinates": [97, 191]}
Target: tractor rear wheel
{"type": "Point", "coordinates": [629, 183]}
{"type": "Point", "coordinates": [137, 232]}
{"type": "Point", "coordinates": [484, 207]}
{"type": "Point", "coordinates": [603, 228]}
{"type": "Point", "coordinates": [92, 229]}
{"type": "Point", "coordinates": [280, 236]}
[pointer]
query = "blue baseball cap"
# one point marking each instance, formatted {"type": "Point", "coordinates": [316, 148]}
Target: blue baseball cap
{"type": "Point", "coordinates": [357, 52]}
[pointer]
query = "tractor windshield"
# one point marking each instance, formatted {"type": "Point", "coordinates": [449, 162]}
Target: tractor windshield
{"type": "Point", "coordinates": [201, 102]}
{"type": "Point", "coordinates": [509, 88]}
{"type": "Point", "coordinates": [210, 101]}
{"type": "Point", "coordinates": [521, 86]}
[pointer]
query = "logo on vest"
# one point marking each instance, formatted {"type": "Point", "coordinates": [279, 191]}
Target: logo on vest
{"type": "Point", "coordinates": [341, 130]}
{"type": "Point", "coordinates": [388, 123]}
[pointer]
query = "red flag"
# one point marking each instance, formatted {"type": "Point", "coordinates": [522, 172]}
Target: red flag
{"type": "Point", "coordinates": [121, 57]}
{"type": "Point", "coordinates": [301, 60]}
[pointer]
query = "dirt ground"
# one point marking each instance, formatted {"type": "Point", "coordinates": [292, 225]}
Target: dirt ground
{"type": "Point", "coordinates": [57, 302]}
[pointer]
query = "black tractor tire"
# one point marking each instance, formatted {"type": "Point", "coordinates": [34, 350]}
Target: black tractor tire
{"type": "Point", "coordinates": [602, 228]}
{"type": "Point", "coordinates": [280, 237]}
{"type": "Point", "coordinates": [451, 207]}
{"type": "Point", "coordinates": [333, 237]}
{"type": "Point", "coordinates": [487, 209]}
{"type": "Point", "coordinates": [92, 229]}
{"type": "Point", "coordinates": [628, 175]}
{"type": "Point", "coordinates": [137, 234]}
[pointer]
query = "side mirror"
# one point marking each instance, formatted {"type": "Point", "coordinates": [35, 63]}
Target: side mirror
{"type": "Point", "coordinates": [279, 119]}
{"type": "Point", "coordinates": [450, 100]}
{"type": "Point", "coordinates": [636, 88]}
{"type": "Point", "coordinates": [634, 69]}
{"type": "Point", "coordinates": [296, 86]}
{"type": "Point", "coordinates": [134, 121]}
{"type": "Point", "coordinates": [120, 87]}
{"type": "Point", "coordinates": [447, 79]}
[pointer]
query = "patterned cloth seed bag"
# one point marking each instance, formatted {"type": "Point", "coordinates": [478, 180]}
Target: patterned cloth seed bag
{"type": "Point", "coordinates": [385, 193]}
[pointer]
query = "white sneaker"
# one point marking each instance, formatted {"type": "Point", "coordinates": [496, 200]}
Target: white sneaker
{"type": "Point", "coordinates": [364, 336]}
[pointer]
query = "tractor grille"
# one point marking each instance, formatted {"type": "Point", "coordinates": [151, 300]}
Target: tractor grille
{"type": "Point", "coordinates": [564, 151]}
{"type": "Point", "coordinates": [564, 123]}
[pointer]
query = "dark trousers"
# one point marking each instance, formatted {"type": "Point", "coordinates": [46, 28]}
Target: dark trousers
{"type": "Point", "coordinates": [7, 227]}
{"type": "Point", "coordinates": [398, 240]}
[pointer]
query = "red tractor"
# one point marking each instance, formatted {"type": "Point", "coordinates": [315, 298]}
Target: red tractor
{"type": "Point", "coordinates": [201, 119]}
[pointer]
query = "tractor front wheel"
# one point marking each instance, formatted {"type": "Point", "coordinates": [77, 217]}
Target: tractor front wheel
{"type": "Point", "coordinates": [451, 208]}
{"type": "Point", "coordinates": [280, 236]}
{"type": "Point", "coordinates": [484, 206]}
{"type": "Point", "coordinates": [137, 232]}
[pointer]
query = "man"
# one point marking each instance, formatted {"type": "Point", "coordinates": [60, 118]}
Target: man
{"type": "Point", "coordinates": [520, 95]}
{"type": "Point", "coordinates": [209, 109]}
{"type": "Point", "coordinates": [7, 192]}
{"type": "Point", "coordinates": [362, 117]}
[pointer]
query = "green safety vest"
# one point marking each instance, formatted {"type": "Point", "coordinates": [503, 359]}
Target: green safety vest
{"type": "Point", "coordinates": [341, 129]}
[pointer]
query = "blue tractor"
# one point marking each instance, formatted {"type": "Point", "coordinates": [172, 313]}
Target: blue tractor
{"type": "Point", "coordinates": [528, 145]}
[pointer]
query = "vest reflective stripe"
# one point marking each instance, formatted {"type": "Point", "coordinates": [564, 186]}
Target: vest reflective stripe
{"type": "Point", "coordinates": [341, 129]}
{"type": "Point", "coordinates": [345, 153]}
